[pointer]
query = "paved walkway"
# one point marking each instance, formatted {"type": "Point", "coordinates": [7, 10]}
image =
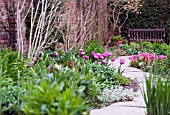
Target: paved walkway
{"type": "Point", "coordinates": [135, 107]}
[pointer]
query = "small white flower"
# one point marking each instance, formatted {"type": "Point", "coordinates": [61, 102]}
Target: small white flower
{"type": "Point", "coordinates": [58, 67]}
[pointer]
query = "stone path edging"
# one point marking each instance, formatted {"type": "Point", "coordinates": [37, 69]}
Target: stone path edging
{"type": "Point", "coordinates": [135, 107]}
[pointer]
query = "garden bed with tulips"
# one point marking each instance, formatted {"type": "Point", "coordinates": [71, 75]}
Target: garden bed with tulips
{"type": "Point", "coordinates": [145, 55]}
{"type": "Point", "coordinates": [53, 81]}
{"type": "Point", "coordinates": [57, 82]}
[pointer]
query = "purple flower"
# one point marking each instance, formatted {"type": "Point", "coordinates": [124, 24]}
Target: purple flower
{"type": "Point", "coordinates": [98, 54]}
{"type": "Point", "coordinates": [82, 53]}
{"type": "Point", "coordinates": [101, 57]}
{"type": "Point", "coordinates": [40, 52]}
{"type": "Point", "coordinates": [96, 57]}
{"type": "Point", "coordinates": [104, 62]}
{"type": "Point", "coordinates": [63, 51]}
{"type": "Point", "coordinates": [106, 46]}
{"type": "Point", "coordinates": [110, 54]}
{"type": "Point", "coordinates": [112, 59]}
{"type": "Point", "coordinates": [122, 61]}
{"type": "Point", "coordinates": [99, 63]}
{"type": "Point", "coordinates": [93, 53]}
{"type": "Point", "coordinates": [81, 50]}
{"type": "Point", "coordinates": [162, 57]}
{"type": "Point", "coordinates": [34, 59]}
{"type": "Point", "coordinates": [118, 43]}
{"type": "Point", "coordinates": [105, 55]}
{"type": "Point", "coordinates": [56, 54]}
{"type": "Point", "coordinates": [40, 58]}
{"type": "Point", "coordinates": [86, 57]}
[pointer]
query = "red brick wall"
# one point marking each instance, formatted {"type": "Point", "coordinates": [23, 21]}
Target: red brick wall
{"type": "Point", "coordinates": [3, 25]}
{"type": "Point", "coordinates": [8, 14]}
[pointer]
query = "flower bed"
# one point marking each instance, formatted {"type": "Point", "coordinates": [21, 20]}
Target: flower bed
{"type": "Point", "coordinates": [147, 61]}
{"type": "Point", "coordinates": [53, 81]}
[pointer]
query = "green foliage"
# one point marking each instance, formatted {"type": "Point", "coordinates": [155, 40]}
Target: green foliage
{"type": "Point", "coordinates": [95, 46]}
{"type": "Point", "coordinates": [121, 79]}
{"type": "Point", "coordinates": [161, 48]}
{"type": "Point", "coordinates": [124, 47]}
{"type": "Point", "coordinates": [146, 46]}
{"type": "Point", "coordinates": [158, 48]}
{"type": "Point", "coordinates": [105, 74]}
{"type": "Point", "coordinates": [50, 99]}
{"type": "Point", "coordinates": [11, 93]}
{"type": "Point", "coordinates": [85, 84]}
{"type": "Point", "coordinates": [132, 49]}
{"type": "Point", "coordinates": [11, 64]}
{"type": "Point", "coordinates": [157, 95]}
{"type": "Point", "coordinates": [115, 39]}
{"type": "Point", "coordinates": [135, 64]}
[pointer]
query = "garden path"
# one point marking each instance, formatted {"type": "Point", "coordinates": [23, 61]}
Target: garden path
{"type": "Point", "coordinates": [135, 107]}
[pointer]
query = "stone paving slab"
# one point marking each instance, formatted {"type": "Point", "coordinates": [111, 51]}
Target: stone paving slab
{"type": "Point", "coordinates": [118, 110]}
{"type": "Point", "coordinates": [135, 107]}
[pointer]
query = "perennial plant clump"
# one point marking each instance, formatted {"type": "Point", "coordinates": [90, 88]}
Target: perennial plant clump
{"type": "Point", "coordinates": [116, 94]}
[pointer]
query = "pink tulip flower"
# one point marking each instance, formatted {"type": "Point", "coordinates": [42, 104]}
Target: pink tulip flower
{"type": "Point", "coordinates": [112, 59]}
{"type": "Point", "coordinates": [40, 53]}
{"type": "Point", "coordinates": [101, 57]}
{"type": "Point", "coordinates": [56, 54]}
{"type": "Point", "coordinates": [81, 50]}
{"type": "Point", "coordinates": [93, 53]}
{"type": "Point", "coordinates": [162, 57]}
{"type": "Point", "coordinates": [105, 54]}
{"type": "Point", "coordinates": [96, 57]}
{"type": "Point", "coordinates": [122, 61]}
{"type": "Point", "coordinates": [104, 62]}
{"type": "Point", "coordinates": [82, 53]}
{"type": "Point", "coordinates": [99, 63]}
{"type": "Point", "coordinates": [86, 57]}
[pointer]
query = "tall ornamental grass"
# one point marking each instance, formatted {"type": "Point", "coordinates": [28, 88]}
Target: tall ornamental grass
{"type": "Point", "coordinates": [157, 94]}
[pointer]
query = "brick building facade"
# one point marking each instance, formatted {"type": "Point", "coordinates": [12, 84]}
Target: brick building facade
{"type": "Point", "coordinates": [7, 24]}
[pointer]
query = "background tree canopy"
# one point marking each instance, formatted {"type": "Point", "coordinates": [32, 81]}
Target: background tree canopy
{"type": "Point", "coordinates": [154, 14]}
